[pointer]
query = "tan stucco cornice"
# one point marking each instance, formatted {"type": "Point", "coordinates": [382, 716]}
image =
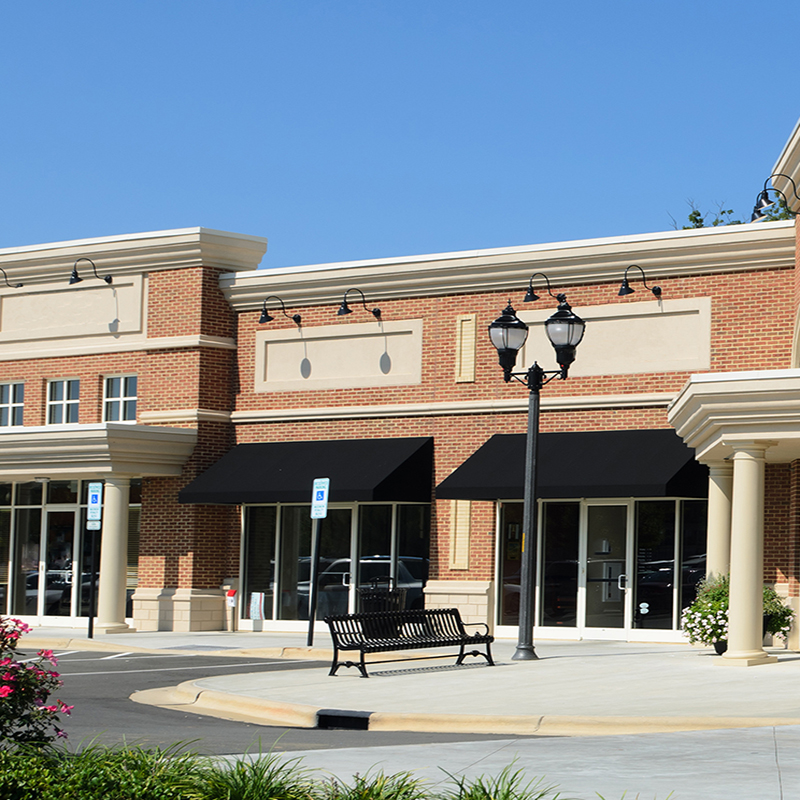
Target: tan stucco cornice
{"type": "Point", "coordinates": [514, 406]}
{"type": "Point", "coordinates": [88, 451]}
{"type": "Point", "coordinates": [706, 250]}
{"type": "Point", "coordinates": [134, 253]}
{"type": "Point", "coordinates": [715, 413]}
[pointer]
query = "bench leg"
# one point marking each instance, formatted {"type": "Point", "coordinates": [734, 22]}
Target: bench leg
{"type": "Point", "coordinates": [335, 665]}
{"type": "Point", "coordinates": [362, 667]}
{"type": "Point", "coordinates": [487, 655]}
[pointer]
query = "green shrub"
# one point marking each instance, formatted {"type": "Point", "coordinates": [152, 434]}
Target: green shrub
{"type": "Point", "coordinates": [27, 772]}
{"type": "Point", "coordinates": [509, 784]}
{"type": "Point", "coordinates": [377, 786]}
{"type": "Point", "coordinates": [133, 773]}
{"type": "Point", "coordinates": [100, 773]}
{"type": "Point", "coordinates": [256, 778]}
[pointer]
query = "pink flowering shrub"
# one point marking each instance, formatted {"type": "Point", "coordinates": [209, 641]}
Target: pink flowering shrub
{"type": "Point", "coordinates": [25, 688]}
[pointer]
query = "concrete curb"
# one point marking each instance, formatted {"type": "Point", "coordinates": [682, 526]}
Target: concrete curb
{"type": "Point", "coordinates": [188, 696]}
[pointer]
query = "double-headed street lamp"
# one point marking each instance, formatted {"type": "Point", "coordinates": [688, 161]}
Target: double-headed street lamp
{"type": "Point", "coordinates": [508, 333]}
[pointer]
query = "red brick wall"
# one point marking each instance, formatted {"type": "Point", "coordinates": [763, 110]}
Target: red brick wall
{"type": "Point", "coordinates": [738, 342]}
{"type": "Point", "coordinates": [198, 546]}
{"type": "Point", "coordinates": [778, 532]}
{"type": "Point", "coordinates": [188, 545]}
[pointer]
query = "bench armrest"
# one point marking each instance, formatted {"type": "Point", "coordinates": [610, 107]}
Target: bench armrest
{"type": "Point", "coordinates": [475, 624]}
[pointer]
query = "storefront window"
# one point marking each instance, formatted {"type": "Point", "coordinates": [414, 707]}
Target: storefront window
{"type": "Point", "coordinates": [5, 554]}
{"type": "Point", "coordinates": [26, 561]}
{"type": "Point", "coordinates": [560, 533]}
{"type": "Point", "coordinates": [62, 492]}
{"type": "Point", "coordinates": [694, 514]}
{"type": "Point", "coordinates": [259, 574]}
{"type": "Point", "coordinates": [29, 494]}
{"type": "Point", "coordinates": [510, 562]}
{"type": "Point", "coordinates": [655, 564]}
{"type": "Point", "coordinates": [391, 543]}
{"type": "Point", "coordinates": [295, 566]}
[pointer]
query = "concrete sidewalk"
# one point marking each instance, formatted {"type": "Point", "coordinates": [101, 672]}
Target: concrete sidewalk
{"type": "Point", "coordinates": [584, 688]}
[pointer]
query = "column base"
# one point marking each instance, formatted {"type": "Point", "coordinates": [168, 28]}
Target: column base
{"type": "Point", "coordinates": [745, 660]}
{"type": "Point", "coordinates": [112, 627]}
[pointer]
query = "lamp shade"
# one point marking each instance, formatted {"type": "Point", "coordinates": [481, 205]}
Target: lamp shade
{"type": "Point", "coordinates": [508, 333]}
{"type": "Point", "coordinates": [565, 331]}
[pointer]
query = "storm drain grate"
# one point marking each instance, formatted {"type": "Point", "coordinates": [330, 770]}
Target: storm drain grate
{"type": "Point", "coordinates": [331, 719]}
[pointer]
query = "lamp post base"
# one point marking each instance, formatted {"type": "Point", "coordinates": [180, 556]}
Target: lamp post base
{"type": "Point", "coordinates": [525, 652]}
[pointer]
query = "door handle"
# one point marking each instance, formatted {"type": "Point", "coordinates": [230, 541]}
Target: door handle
{"type": "Point", "coordinates": [622, 581]}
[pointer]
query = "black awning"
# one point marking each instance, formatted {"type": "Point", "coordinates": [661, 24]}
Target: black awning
{"type": "Point", "coordinates": [650, 463]}
{"type": "Point", "coordinates": [392, 470]}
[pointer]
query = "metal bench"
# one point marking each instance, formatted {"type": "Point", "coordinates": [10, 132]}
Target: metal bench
{"type": "Point", "coordinates": [389, 631]}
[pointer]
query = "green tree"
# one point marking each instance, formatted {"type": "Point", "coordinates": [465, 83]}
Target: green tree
{"type": "Point", "coordinates": [724, 216]}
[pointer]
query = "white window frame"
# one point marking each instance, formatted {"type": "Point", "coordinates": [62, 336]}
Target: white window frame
{"type": "Point", "coordinates": [69, 406]}
{"type": "Point", "coordinates": [125, 402]}
{"type": "Point", "coordinates": [11, 409]}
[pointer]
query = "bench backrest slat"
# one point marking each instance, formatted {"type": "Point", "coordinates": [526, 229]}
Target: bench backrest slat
{"type": "Point", "coordinates": [437, 623]}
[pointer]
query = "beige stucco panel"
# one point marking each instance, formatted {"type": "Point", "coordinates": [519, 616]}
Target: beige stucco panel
{"type": "Point", "coordinates": [630, 338]}
{"type": "Point", "coordinates": [339, 356]}
{"type": "Point", "coordinates": [91, 310]}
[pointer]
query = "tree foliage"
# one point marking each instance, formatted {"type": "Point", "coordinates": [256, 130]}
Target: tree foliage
{"type": "Point", "coordinates": [724, 216]}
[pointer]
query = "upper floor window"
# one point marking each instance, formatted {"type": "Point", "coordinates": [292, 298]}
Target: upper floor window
{"type": "Point", "coordinates": [11, 402]}
{"type": "Point", "coordinates": [62, 401]}
{"type": "Point", "coordinates": [119, 399]}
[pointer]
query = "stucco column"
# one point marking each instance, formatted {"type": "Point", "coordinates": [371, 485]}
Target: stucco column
{"type": "Point", "coordinates": [718, 542]}
{"type": "Point", "coordinates": [113, 557]}
{"type": "Point", "coordinates": [745, 612]}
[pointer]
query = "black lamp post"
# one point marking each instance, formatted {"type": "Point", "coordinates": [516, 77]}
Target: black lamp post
{"type": "Point", "coordinates": [508, 333]}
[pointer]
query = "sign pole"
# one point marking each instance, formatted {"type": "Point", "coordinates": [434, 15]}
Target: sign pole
{"type": "Point", "coordinates": [93, 581]}
{"type": "Point", "coordinates": [94, 519]}
{"type": "Point", "coordinates": [319, 510]}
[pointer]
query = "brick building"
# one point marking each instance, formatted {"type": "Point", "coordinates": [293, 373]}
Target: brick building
{"type": "Point", "coordinates": [671, 448]}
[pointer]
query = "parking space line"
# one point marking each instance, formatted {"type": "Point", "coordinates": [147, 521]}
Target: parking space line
{"type": "Point", "coordinates": [174, 669]}
{"type": "Point", "coordinates": [134, 655]}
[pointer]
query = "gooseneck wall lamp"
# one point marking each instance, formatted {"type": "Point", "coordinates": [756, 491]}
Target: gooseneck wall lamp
{"type": "Point", "coordinates": [12, 286]}
{"type": "Point", "coordinates": [530, 295]}
{"type": "Point", "coordinates": [267, 317]}
{"type": "Point", "coordinates": [345, 309]}
{"type": "Point", "coordinates": [508, 334]}
{"type": "Point", "coordinates": [626, 288]}
{"type": "Point", "coordinates": [763, 201]}
{"type": "Point", "coordinates": [75, 278]}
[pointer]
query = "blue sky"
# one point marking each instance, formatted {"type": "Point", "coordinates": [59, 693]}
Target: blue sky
{"type": "Point", "coordinates": [350, 129]}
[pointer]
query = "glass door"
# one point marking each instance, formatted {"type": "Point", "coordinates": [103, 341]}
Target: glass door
{"type": "Point", "coordinates": [336, 536]}
{"type": "Point", "coordinates": [606, 568]}
{"type": "Point", "coordinates": [336, 571]}
{"type": "Point", "coordinates": [55, 581]}
{"type": "Point", "coordinates": [361, 546]}
{"type": "Point", "coordinates": [44, 568]}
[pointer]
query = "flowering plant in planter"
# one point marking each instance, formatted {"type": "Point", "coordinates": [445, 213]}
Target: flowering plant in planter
{"type": "Point", "coordinates": [705, 621]}
{"type": "Point", "coordinates": [25, 686]}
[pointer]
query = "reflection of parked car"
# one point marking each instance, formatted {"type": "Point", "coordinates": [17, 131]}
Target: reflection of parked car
{"type": "Point", "coordinates": [58, 591]}
{"type": "Point", "coordinates": [335, 578]}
